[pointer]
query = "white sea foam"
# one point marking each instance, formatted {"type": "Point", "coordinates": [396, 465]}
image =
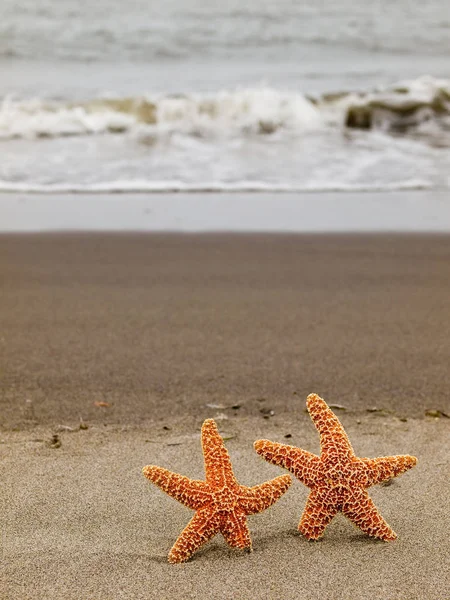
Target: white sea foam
{"type": "Point", "coordinates": [260, 110]}
{"type": "Point", "coordinates": [241, 112]}
{"type": "Point", "coordinates": [255, 139]}
{"type": "Point", "coordinates": [37, 119]}
{"type": "Point", "coordinates": [143, 186]}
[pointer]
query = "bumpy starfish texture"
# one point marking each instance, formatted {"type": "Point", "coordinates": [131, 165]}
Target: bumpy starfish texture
{"type": "Point", "coordinates": [337, 478]}
{"type": "Point", "coordinates": [222, 504]}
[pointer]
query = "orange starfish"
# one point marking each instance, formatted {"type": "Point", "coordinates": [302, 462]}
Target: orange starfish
{"type": "Point", "coordinates": [338, 479]}
{"type": "Point", "coordinates": [222, 504]}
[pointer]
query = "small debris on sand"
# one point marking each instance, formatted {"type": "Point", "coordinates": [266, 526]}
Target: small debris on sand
{"type": "Point", "coordinates": [267, 412]}
{"type": "Point", "coordinates": [55, 442]}
{"type": "Point", "coordinates": [28, 413]}
{"type": "Point", "coordinates": [436, 413]}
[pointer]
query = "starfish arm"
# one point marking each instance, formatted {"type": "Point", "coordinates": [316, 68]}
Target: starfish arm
{"type": "Point", "coordinates": [386, 467]}
{"type": "Point", "coordinates": [316, 516]}
{"type": "Point", "coordinates": [300, 463]}
{"type": "Point", "coordinates": [201, 528]}
{"type": "Point", "coordinates": [259, 497]}
{"type": "Point", "coordinates": [360, 509]}
{"type": "Point", "coordinates": [218, 467]}
{"type": "Point", "coordinates": [192, 493]}
{"type": "Point", "coordinates": [333, 439]}
{"type": "Point", "coordinates": [235, 530]}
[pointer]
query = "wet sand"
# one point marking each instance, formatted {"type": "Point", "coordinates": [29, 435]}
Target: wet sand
{"type": "Point", "coordinates": [159, 325]}
{"type": "Point", "coordinates": [137, 334]}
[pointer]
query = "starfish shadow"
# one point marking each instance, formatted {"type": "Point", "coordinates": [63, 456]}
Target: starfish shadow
{"type": "Point", "coordinates": [213, 548]}
{"type": "Point", "coordinates": [361, 538]}
{"type": "Point", "coordinates": [158, 558]}
{"type": "Point", "coordinates": [263, 542]}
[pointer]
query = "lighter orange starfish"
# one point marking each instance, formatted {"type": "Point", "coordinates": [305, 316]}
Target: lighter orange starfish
{"type": "Point", "coordinates": [338, 479]}
{"type": "Point", "coordinates": [222, 504]}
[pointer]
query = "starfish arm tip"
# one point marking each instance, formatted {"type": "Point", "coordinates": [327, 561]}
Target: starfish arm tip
{"type": "Point", "coordinates": [148, 471]}
{"type": "Point", "coordinates": [259, 445]}
{"type": "Point", "coordinates": [385, 468]}
{"type": "Point", "coordinates": [312, 531]}
{"type": "Point", "coordinates": [363, 513]}
{"type": "Point", "coordinates": [310, 536]}
{"type": "Point", "coordinates": [210, 431]}
{"type": "Point", "coordinates": [286, 480]}
{"type": "Point", "coordinates": [385, 536]}
{"type": "Point", "coordinates": [177, 558]}
{"type": "Point", "coordinates": [157, 474]}
{"type": "Point", "coordinates": [314, 399]}
{"type": "Point", "coordinates": [190, 492]}
{"type": "Point", "coordinates": [317, 406]}
{"type": "Point", "coordinates": [406, 459]}
{"type": "Point", "coordinates": [209, 424]}
{"type": "Point", "coordinates": [202, 527]}
{"type": "Point", "coordinates": [173, 559]}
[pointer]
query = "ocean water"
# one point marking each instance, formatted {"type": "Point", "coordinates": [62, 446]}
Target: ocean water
{"type": "Point", "coordinates": [187, 95]}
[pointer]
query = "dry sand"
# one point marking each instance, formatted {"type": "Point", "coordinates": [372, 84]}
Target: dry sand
{"type": "Point", "coordinates": [159, 326]}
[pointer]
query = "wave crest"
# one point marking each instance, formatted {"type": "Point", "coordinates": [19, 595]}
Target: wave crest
{"type": "Point", "coordinates": [402, 108]}
{"type": "Point", "coordinates": [418, 107]}
{"type": "Point", "coordinates": [260, 111]}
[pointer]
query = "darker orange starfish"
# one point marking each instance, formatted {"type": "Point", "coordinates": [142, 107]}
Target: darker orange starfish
{"type": "Point", "coordinates": [221, 503]}
{"type": "Point", "coordinates": [338, 479]}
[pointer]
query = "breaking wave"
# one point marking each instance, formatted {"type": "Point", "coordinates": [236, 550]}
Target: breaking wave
{"type": "Point", "coordinates": [253, 110]}
{"type": "Point", "coordinates": [420, 108]}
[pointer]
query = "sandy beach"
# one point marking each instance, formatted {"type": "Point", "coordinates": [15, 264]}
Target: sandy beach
{"type": "Point", "coordinates": [140, 337]}
{"type": "Point", "coordinates": [213, 210]}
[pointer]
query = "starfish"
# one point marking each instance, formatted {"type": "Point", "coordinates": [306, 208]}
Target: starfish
{"type": "Point", "coordinates": [220, 502]}
{"type": "Point", "coordinates": [337, 478]}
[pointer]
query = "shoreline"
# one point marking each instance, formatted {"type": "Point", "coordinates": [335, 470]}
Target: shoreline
{"type": "Point", "coordinates": [319, 212]}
